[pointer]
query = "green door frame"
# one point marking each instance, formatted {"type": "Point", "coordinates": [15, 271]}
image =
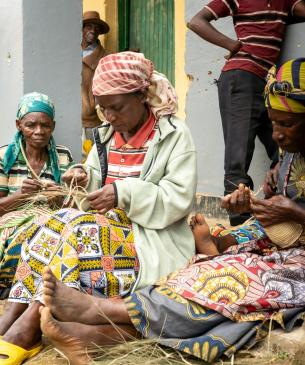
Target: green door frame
{"type": "Point", "coordinates": [165, 48]}
{"type": "Point", "coordinates": [124, 22]}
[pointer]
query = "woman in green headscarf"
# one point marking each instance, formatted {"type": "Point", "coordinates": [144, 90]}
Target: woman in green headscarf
{"type": "Point", "coordinates": [31, 162]}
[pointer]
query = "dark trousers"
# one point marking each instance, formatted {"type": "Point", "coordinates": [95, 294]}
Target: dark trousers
{"type": "Point", "coordinates": [244, 117]}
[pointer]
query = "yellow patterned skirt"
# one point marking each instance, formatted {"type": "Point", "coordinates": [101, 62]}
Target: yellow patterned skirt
{"type": "Point", "coordinates": [85, 250]}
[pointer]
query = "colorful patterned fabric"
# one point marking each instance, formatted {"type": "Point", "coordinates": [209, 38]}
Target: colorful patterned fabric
{"type": "Point", "coordinates": [248, 282]}
{"type": "Point", "coordinates": [216, 306]}
{"type": "Point", "coordinates": [10, 249]}
{"type": "Point", "coordinates": [35, 102]}
{"type": "Point", "coordinates": [243, 233]}
{"type": "Point", "coordinates": [173, 321]}
{"type": "Point", "coordinates": [260, 25]}
{"type": "Point", "coordinates": [285, 89]}
{"type": "Point", "coordinates": [127, 72]}
{"type": "Point", "coordinates": [11, 181]}
{"type": "Point", "coordinates": [86, 251]}
{"type": "Point", "coordinates": [126, 159]}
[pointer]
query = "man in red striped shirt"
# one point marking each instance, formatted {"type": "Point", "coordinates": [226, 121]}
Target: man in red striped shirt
{"type": "Point", "coordinates": [260, 27]}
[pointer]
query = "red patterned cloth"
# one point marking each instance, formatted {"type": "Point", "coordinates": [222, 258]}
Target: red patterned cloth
{"type": "Point", "coordinates": [248, 282]}
{"type": "Point", "coordinates": [127, 72]}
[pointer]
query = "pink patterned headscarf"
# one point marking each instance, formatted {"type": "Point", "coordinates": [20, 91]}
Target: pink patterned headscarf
{"type": "Point", "coordinates": [127, 72]}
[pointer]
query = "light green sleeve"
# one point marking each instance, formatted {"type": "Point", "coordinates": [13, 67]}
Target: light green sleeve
{"type": "Point", "coordinates": [156, 206]}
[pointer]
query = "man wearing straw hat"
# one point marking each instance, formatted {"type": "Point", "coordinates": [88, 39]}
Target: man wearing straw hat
{"type": "Point", "coordinates": [92, 52]}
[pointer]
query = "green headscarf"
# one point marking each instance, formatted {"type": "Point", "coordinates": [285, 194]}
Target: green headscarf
{"type": "Point", "coordinates": [29, 103]}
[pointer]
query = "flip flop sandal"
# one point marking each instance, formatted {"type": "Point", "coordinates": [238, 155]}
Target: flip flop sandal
{"type": "Point", "coordinates": [17, 355]}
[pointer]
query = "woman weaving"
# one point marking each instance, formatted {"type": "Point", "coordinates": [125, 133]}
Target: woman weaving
{"type": "Point", "coordinates": [28, 164]}
{"type": "Point", "coordinates": [218, 304]}
{"type": "Point", "coordinates": [136, 180]}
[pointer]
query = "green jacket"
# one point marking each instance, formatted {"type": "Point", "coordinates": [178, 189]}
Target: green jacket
{"type": "Point", "coordinates": [159, 201]}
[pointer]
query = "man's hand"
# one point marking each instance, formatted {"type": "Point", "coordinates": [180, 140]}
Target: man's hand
{"type": "Point", "coordinates": [275, 210]}
{"type": "Point", "coordinates": [103, 199]}
{"type": "Point", "coordinates": [270, 183]}
{"type": "Point", "coordinates": [234, 48]}
{"type": "Point", "coordinates": [77, 175]}
{"type": "Point", "coordinates": [238, 201]}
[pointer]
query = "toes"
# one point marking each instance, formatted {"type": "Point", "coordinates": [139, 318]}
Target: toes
{"type": "Point", "coordinates": [48, 291]}
{"type": "Point", "coordinates": [47, 275]}
{"type": "Point", "coordinates": [200, 219]}
{"type": "Point", "coordinates": [49, 285]}
{"type": "Point", "coordinates": [45, 316]}
{"type": "Point", "coordinates": [192, 222]}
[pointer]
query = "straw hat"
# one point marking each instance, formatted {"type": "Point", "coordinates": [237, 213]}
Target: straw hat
{"type": "Point", "coordinates": [94, 17]}
{"type": "Point", "coordinates": [284, 234]}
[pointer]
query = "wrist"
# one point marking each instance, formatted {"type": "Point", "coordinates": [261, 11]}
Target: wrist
{"type": "Point", "coordinates": [298, 215]}
{"type": "Point", "coordinates": [235, 46]}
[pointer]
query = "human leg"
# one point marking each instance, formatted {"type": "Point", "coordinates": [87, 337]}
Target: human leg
{"type": "Point", "coordinates": [62, 336]}
{"type": "Point", "coordinates": [206, 243]}
{"type": "Point", "coordinates": [264, 133]}
{"type": "Point", "coordinates": [70, 305]}
{"type": "Point", "coordinates": [12, 312]}
{"type": "Point", "coordinates": [240, 99]}
{"type": "Point", "coordinates": [25, 331]}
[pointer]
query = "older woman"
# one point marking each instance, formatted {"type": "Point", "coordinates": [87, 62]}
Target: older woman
{"type": "Point", "coordinates": [29, 162]}
{"type": "Point", "coordinates": [216, 304]}
{"type": "Point", "coordinates": [141, 175]}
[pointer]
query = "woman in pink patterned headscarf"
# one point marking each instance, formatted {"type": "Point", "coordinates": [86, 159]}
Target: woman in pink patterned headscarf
{"type": "Point", "coordinates": [127, 72]}
{"type": "Point", "coordinates": [141, 181]}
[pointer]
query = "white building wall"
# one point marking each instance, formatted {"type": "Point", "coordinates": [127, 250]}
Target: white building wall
{"type": "Point", "coordinates": [40, 51]}
{"type": "Point", "coordinates": [11, 65]}
{"type": "Point", "coordinates": [203, 65]}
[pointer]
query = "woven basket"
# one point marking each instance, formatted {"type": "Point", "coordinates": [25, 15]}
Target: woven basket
{"type": "Point", "coordinates": [284, 234]}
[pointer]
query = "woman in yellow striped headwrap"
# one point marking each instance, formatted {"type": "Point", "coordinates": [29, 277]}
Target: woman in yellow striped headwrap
{"type": "Point", "coordinates": [285, 90]}
{"type": "Point", "coordinates": [285, 100]}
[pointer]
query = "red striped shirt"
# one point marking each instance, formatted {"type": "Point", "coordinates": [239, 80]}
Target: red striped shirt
{"type": "Point", "coordinates": [125, 159]}
{"type": "Point", "coordinates": [260, 25]}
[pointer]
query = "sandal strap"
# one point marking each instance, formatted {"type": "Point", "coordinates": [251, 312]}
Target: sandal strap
{"type": "Point", "coordinates": [16, 354]}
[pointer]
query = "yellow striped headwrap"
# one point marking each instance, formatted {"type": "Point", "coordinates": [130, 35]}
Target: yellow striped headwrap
{"type": "Point", "coordinates": [285, 89]}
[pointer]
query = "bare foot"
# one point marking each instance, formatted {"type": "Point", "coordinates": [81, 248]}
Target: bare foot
{"type": "Point", "coordinates": [203, 239]}
{"type": "Point", "coordinates": [73, 348]}
{"type": "Point", "coordinates": [69, 305]}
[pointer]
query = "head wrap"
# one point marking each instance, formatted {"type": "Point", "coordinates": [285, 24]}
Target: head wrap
{"type": "Point", "coordinates": [127, 72]}
{"type": "Point", "coordinates": [285, 89]}
{"type": "Point", "coordinates": [33, 102]}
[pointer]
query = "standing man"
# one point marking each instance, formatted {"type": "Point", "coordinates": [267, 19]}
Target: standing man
{"type": "Point", "coordinates": [260, 27]}
{"type": "Point", "coordinates": [92, 52]}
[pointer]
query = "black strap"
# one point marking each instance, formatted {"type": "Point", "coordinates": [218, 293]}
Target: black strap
{"type": "Point", "coordinates": [102, 154]}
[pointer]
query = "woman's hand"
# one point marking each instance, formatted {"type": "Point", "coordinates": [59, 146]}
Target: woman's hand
{"type": "Point", "coordinates": [76, 175]}
{"type": "Point", "coordinates": [30, 186]}
{"type": "Point", "coordinates": [238, 201]}
{"type": "Point", "coordinates": [275, 210]}
{"type": "Point", "coordinates": [270, 183]}
{"type": "Point", "coordinates": [103, 199]}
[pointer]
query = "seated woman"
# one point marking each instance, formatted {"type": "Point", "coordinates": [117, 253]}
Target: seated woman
{"type": "Point", "coordinates": [216, 304]}
{"type": "Point", "coordinates": [143, 164]}
{"type": "Point", "coordinates": [29, 163]}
